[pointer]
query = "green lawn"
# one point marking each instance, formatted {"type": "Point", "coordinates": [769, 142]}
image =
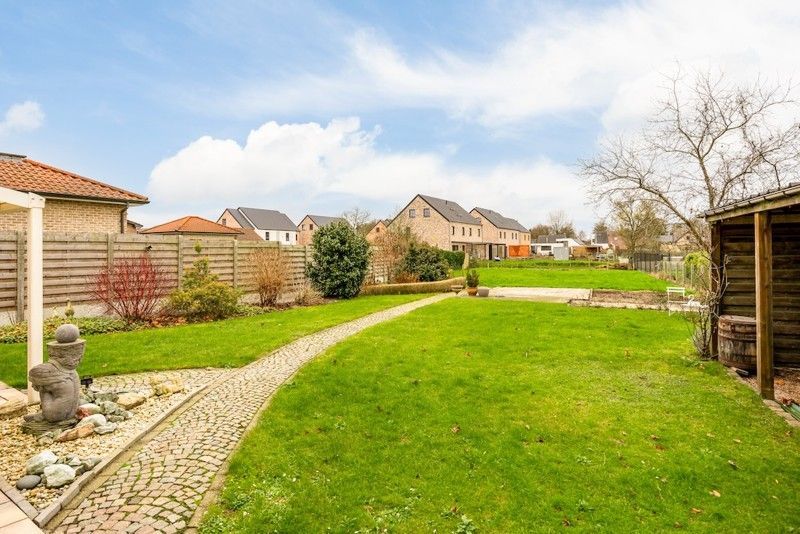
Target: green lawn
{"type": "Point", "coordinates": [580, 278]}
{"type": "Point", "coordinates": [514, 417]}
{"type": "Point", "coordinates": [229, 343]}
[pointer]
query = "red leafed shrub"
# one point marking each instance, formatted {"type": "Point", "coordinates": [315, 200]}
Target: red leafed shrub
{"type": "Point", "coordinates": [131, 288]}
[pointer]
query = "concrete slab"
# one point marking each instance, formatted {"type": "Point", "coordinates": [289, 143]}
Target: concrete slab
{"type": "Point", "coordinates": [541, 294]}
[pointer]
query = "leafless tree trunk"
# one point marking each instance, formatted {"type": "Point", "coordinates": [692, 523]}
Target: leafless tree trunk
{"type": "Point", "coordinates": [711, 143]}
{"type": "Point", "coordinates": [360, 219]}
{"type": "Point", "coordinates": [560, 223]}
{"type": "Point", "coordinates": [637, 222]}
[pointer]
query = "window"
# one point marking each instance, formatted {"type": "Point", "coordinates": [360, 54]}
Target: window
{"type": "Point", "coordinates": [266, 236]}
{"type": "Point", "coordinates": [463, 231]}
{"type": "Point", "coordinates": [302, 227]}
{"type": "Point", "coordinates": [310, 226]}
{"type": "Point", "coordinates": [454, 230]}
{"type": "Point", "coordinates": [412, 213]}
{"type": "Point", "coordinates": [426, 212]}
{"type": "Point", "coordinates": [287, 237]}
{"type": "Point", "coordinates": [479, 232]}
{"type": "Point", "coordinates": [455, 247]}
{"type": "Point", "coordinates": [470, 232]}
{"type": "Point", "coordinates": [224, 221]}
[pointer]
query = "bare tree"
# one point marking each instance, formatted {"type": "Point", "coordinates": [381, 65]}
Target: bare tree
{"type": "Point", "coordinates": [359, 218]}
{"type": "Point", "coordinates": [712, 142]}
{"type": "Point", "coordinates": [540, 229]}
{"type": "Point", "coordinates": [637, 222]}
{"type": "Point", "coordinates": [560, 223]}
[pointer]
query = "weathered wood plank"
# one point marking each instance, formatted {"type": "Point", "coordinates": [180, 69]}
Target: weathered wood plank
{"type": "Point", "coordinates": [764, 340]}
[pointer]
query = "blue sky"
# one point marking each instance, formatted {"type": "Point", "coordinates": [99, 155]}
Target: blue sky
{"type": "Point", "coordinates": [318, 107]}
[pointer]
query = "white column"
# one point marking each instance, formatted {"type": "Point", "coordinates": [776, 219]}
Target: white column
{"type": "Point", "coordinates": [35, 288]}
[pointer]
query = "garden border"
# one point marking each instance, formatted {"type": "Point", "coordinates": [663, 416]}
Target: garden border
{"type": "Point", "coordinates": [440, 286]}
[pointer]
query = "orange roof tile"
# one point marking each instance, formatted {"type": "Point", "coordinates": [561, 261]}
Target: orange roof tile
{"type": "Point", "coordinates": [191, 224]}
{"type": "Point", "coordinates": [27, 175]}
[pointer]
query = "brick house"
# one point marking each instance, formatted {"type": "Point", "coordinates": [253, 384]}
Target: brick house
{"type": "Point", "coordinates": [310, 224]}
{"type": "Point", "coordinates": [504, 236]}
{"type": "Point", "coordinates": [74, 203]}
{"type": "Point", "coordinates": [441, 223]}
{"type": "Point", "coordinates": [378, 229]}
{"type": "Point", "coordinates": [269, 225]}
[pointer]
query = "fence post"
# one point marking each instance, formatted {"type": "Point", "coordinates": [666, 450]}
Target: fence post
{"type": "Point", "coordinates": [180, 260]}
{"type": "Point", "coordinates": [20, 276]}
{"type": "Point", "coordinates": [235, 263]}
{"type": "Point", "coordinates": [110, 250]}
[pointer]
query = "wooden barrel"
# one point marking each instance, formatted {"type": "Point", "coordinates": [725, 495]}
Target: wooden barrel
{"type": "Point", "coordinates": [737, 342]}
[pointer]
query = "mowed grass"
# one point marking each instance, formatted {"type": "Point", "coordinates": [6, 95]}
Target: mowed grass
{"type": "Point", "coordinates": [578, 278]}
{"type": "Point", "coordinates": [514, 417]}
{"type": "Point", "coordinates": [228, 343]}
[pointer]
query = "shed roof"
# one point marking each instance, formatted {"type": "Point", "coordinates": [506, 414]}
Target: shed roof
{"type": "Point", "coordinates": [191, 224]}
{"type": "Point", "coordinates": [452, 211]}
{"type": "Point", "coordinates": [781, 197]}
{"type": "Point", "coordinates": [501, 221]}
{"type": "Point", "coordinates": [24, 174]}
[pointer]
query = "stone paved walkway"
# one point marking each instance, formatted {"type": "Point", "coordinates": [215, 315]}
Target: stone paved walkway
{"type": "Point", "coordinates": [159, 487]}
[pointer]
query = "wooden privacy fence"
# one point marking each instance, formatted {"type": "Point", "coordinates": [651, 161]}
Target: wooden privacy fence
{"type": "Point", "coordinates": [71, 262]}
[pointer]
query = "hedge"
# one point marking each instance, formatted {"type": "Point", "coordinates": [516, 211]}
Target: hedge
{"type": "Point", "coordinates": [455, 258]}
{"type": "Point", "coordinates": [442, 286]}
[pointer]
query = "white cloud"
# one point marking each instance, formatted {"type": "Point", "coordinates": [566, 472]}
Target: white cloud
{"type": "Point", "coordinates": [603, 60]}
{"type": "Point", "coordinates": [294, 167]}
{"type": "Point", "coordinates": [26, 116]}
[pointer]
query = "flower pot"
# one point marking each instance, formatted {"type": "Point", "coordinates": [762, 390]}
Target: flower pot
{"type": "Point", "coordinates": [472, 291]}
{"type": "Point", "coordinates": [483, 291]}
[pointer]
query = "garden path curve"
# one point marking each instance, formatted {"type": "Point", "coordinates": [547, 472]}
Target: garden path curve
{"type": "Point", "coordinates": [158, 486]}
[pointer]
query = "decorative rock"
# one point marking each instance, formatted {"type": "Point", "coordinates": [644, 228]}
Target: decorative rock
{"type": "Point", "coordinates": [67, 333]}
{"type": "Point", "coordinates": [90, 463]}
{"type": "Point", "coordinates": [168, 387]}
{"type": "Point", "coordinates": [110, 408]}
{"type": "Point", "coordinates": [102, 396]}
{"type": "Point", "coordinates": [71, 460]}
{"type": "Point", "coordinates": [105, 429]}
{"type": "Point", "coordinates": [58, 475]}
{"type": "Point", "coordinates": [85, 410]}
{"type": "Point", "coordinates": [130, 400]}
{"type": "Point", "coordinates": [97, 419]}
{"type": "Point", "coordinates": [115, 418]}
{"type": "Point", "coordinates": [28, 482]}
{"type": "Point", "coordinates": [12, 402]}
{"type": "Point", "coordinates": [46, 439]}
{"type": "Point", "coordinates": [76, 433]}
{"type": "Point", "coordinates": [37, 463]}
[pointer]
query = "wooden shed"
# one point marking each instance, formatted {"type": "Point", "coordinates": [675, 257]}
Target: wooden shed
{"type": "Point", "coordinates": [756, 244]}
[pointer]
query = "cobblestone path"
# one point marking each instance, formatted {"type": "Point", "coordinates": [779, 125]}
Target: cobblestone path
{"type": "Point", "coordinates": [160, 486]}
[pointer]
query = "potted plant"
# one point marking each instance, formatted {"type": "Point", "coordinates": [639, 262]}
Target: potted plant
{"type": "Point", "coordinates": [472, 282]}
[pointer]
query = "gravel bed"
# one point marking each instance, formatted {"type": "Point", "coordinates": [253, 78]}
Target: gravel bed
{"type": "Point", "coordinates": [16, 448]}
{"type": "Point", "coordinates": [629, 297]}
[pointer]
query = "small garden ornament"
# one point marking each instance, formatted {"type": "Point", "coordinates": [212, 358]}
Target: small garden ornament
{"type": "Point", "coordinates": [57, 382]}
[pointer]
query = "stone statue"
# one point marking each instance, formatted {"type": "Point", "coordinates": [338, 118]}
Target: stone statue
{"type": "Point", "coordinates": [57, 382]}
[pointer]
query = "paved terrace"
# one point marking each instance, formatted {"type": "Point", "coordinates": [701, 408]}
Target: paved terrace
{"type": "Point", "coordinates": [158, 486]}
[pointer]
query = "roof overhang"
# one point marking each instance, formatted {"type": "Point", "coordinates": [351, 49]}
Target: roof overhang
{"type": "Point", "coordinates": [771, 200]}
{"type": "Point", "coordinates": [11, 200]}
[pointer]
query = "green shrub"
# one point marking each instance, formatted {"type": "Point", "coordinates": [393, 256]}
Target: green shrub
{"type": "Point", "coordinates": [454, 258]}
{"type": "Point", "coordinates": [442, 286]}
{"type": "Point", "coordinates": [424, 262]}
{"type": "Point", "coordinates": [339, 262]}
{"type": "Point", "coordinates": [472, 278]}
{"type": "Point", "coordinates": [18, 333]}
{"type": "Point", "coordinates": [695, 262]}
{"type": "Point", "coordinates": [202, 296]}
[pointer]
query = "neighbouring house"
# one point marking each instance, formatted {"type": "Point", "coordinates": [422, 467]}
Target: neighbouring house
{"type": "Point", "coordinates": [504, 236]}
{"type": "Point", "coordinates": [194, 226]}
{"type": "Point", "coordinates": [132, 227]}
{"type": "Point", "coordinates": [269, 225]}
{"type": "Point", "coordinates": [378, 229]}
{"type": "Point", "coordinates": [617, 243]}
{"type": "Point", "coordinates": [73, 203]}
{"type": "Point", "coordinates": [678, 241]}
{"type": "Point", "coordinates": [559, 246]}
{"type": "Point", "coordinates": [443, 224]}
{"type": "Point", "coordinates": [310, 224]}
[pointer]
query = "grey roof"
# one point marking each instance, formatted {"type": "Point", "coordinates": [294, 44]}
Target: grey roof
{"type": "Point", "coordinates": [450, 210]}
{"type": "Point", "coordinates": [267, 219]}
{"type": "Point", "coordinates": [243, 222]}
{"type": "Point", "coordinates": [500, 221]}
{"type": "Point", "coordinates": [324, 220]}
{"type": "Point", "coordinates": [549, 238]}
